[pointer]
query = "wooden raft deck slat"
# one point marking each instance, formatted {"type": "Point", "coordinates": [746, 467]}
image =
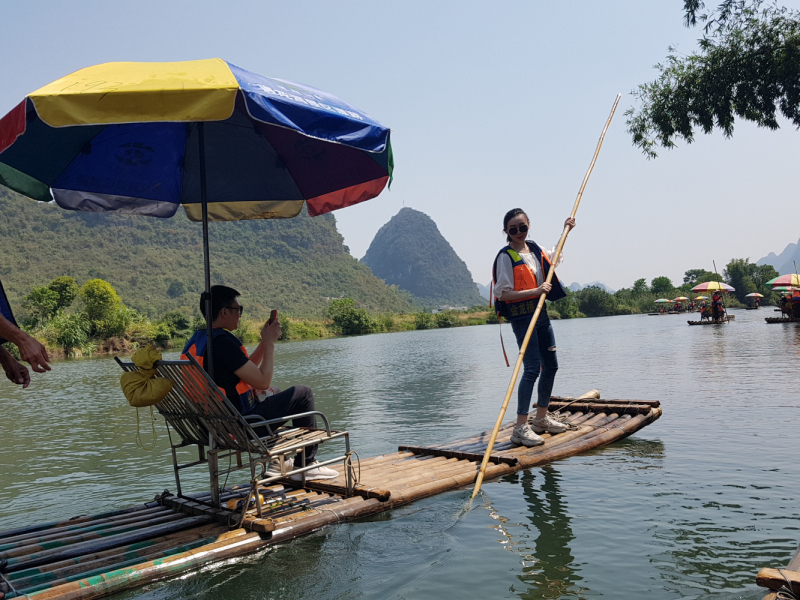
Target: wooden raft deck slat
{"type": "Point", "coordinates": [96, 556]}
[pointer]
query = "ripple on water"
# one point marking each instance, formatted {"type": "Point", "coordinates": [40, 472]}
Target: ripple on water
{"type": "Point", "coordinates": [690, 507]}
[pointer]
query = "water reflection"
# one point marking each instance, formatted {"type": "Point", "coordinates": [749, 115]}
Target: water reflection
{"type": "Point", "coordinates": [548, 570]}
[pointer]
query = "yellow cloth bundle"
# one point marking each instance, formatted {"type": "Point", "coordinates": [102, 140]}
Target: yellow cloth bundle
{"type": "Point", "coordinates": [140, 387]}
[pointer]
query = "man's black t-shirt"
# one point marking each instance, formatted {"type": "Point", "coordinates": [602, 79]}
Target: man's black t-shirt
{"type": "Point", "coordinates": [228, 358]}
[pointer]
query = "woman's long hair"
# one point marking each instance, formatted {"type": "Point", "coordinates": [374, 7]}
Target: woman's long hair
{"type": "Point", "coordinates": [510, 215]}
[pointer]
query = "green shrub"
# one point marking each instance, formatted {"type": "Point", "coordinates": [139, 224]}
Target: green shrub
{"type": "Point", "coordinates": [447, 318]}
{"type": "Point", "coordinates": [476, 321]}
{"type": "Point", "coordinates": [491, 318]}
{"type": "Point", "coordinates": [99, 299]}
{"type": "Point", "coordinates": [301, 330]}
{"type": "Point", "coordinates": [355, 321]}
{"type": "Point", "coordinates": [387, 322]}
{"type": "Point", "coordinates": [162, 334]}
{"type": "Point", "coordinates": [424, 321]}
{"type": "Point", "coordinates": [350, 320]}
{"type": "Point", "coordinates": [71, 331]}
{"type": "Point", "coordinates": [177, 322]}
{"type": "Point", "coordinates": [117, 320]}
{"type": "Point", "coordinates": [567, 308]}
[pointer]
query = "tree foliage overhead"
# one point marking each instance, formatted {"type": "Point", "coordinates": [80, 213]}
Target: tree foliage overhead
{"type": "Point", "coordinates": [747, 66]}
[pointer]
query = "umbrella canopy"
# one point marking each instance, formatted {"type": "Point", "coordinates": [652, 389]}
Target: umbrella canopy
{"type": "Point", "coordinates": [713, 286]}
{"type": "Point", "coordinates": [782, 288]}
{"type": "Point", "coordinates": [681, 299]}
{"type": "Point", "coordinates": [754, 295]}
{"type": "Point", "coordinates": [660, 300]}
{"type": "Point", "coordinates": [141, 137]}
{"type": "Point", "coordinates": [790, 279]}
{"type": "Point", "coordinates": [701, 298]}
{"type": "Point", "coordinates": [227, 144]}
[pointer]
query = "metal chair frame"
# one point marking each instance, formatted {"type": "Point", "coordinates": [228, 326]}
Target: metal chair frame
{"type": "Point", "coordinates": [203, 416]}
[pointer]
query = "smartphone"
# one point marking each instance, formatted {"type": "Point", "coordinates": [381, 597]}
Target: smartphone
{"type": "Point", "coordinates": [272, 316]}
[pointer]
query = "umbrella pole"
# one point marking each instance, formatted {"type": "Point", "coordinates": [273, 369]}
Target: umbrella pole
{"type": "Point", "coordinates": [550, 272]}
{"type": "Point", "coordinates": [201, 138]}
{"type": "Point", "coordinates": [721, 297]}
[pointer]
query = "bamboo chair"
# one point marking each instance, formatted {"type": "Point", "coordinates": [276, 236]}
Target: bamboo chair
{"type": "Point", "coordinates": [204, 417]}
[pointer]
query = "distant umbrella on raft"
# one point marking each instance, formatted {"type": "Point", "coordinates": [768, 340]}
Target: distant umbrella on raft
{"type": "Point", "coordinates": [713, 286]}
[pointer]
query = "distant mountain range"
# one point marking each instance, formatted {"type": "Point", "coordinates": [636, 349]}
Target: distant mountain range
{"type": "Point", "coordinates": [577, 287]}
{"type": "Point", "coordinates": [411, 253]}
{"type": "Point", "coordinates": [783, 262]}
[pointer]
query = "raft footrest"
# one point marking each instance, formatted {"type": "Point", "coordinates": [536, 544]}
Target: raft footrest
{"type": "Point", "coordinates": [598, 406]}
{"type": "Point", "coordinates": [494, 458]}
{"type": "Point", "coordinates": [339, 490]}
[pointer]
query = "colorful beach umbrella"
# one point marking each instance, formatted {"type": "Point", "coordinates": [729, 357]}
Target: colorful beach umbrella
{"type": "Point", "coordinates": [224, 143]}
{"type": "Point", "coordinates": [782, 288]}
{"type": "Point", "coordinates": [661, 300]}
{"type": "Point", "coordinates": [713, 286]}
{"type": "Point", "coordinates": [701, 298]}
{"type": "Point", "coordinates": [754, 295]}
{"type": "Point", "coordinates": [790, 279]}
{"type": "Point", "coordinates": [148, 137]}
{"type": "Point", "coordinates": [681, 299]}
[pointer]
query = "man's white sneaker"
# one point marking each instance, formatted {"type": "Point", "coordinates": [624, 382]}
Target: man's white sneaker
{"type": "Point", "coordinates": [274, 468]}
{"type": "Point", "coordinates": [316, 473]}
{"type": "Point", "coordinates": [548, 424]}
{"type": "Point", "coordinates": [523, 435]}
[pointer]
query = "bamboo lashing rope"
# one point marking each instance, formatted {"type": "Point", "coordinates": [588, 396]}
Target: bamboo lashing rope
{"type": "Point", "coordinates": [539, 306]}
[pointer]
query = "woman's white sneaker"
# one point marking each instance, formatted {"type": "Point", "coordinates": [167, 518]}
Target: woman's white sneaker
{"type": "Point", "coordinates": [548, 424]}
{"type": "Point", "coordinates": [523, 435]}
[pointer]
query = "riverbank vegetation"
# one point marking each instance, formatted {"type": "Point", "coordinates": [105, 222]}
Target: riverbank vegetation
{"type": "Point", "coordinates": [74, 319]}
{"type": "Point", "coordinates": [745, 277]}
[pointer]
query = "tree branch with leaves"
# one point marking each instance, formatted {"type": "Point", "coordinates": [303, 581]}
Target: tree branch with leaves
{"type": "Point", "coordinates": [747, 67]}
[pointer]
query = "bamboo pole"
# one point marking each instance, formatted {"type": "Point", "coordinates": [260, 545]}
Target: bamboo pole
{"type": "Point", "coordinates": [540, 305]}
{"type": "Point", "coordinates": [13, 533]}
{"type": "Point", "coordinates": [87, 562]}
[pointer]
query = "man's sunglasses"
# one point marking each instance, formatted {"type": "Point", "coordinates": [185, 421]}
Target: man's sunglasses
{"type": "Point", "coordinates": [240, 308]}
{"type": "Point", "coordinates": [514, 230]}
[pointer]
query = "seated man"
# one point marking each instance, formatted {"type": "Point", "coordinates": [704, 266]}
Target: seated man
{"type": "Point", "coordinates": [237, 374]}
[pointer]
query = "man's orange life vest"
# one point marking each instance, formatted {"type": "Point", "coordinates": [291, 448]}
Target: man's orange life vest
{"type": "Point", "coordinates": [196, 346]}
{"type": "Point", "coordinates": [524, 279]}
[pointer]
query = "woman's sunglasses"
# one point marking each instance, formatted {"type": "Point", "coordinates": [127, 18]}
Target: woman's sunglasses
{"type": "Point", "coordinates": [515, 230]}
{"type": "Point", "coordinates": [240, 308]}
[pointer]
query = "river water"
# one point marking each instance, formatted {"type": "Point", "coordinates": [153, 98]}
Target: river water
{"type": "Point", "coordinates": [690, 507]}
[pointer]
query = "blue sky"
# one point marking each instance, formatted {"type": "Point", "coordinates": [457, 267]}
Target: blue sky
{"type": "Point", "coordinates": [492, 106]}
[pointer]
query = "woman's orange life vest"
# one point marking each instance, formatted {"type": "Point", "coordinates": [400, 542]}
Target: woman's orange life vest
{"type": "Point", "coordinates": [196, 346]}
{"type": "Point", "coordinates": [525, 279]}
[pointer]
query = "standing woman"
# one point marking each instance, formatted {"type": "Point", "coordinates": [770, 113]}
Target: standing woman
{"type": "Point", "coordinates": [520, 271]}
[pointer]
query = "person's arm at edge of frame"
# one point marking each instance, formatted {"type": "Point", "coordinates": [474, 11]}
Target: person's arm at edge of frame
{"type": "Point", "coordinates": [15, 370]}
{"type": "Point", "coordinates": [30, 349]}
{"type": "Point", "coordinates": [260, 377]}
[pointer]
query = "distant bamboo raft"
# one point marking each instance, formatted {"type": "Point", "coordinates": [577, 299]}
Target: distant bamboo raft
{"type": "Point", "coordinates": [90, 557]}
{"type": "Point", "coordinates": [722, 321]}
{"type": "Point", "coordinates": [782, 320]}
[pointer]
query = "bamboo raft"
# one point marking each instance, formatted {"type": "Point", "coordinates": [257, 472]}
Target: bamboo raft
{"type": "Point", "coordinates": [94, 556]}
{"type": "Point", "coordinates": [782, 320]}
{"type": "Point", "coordinates": [726, 319]}
{"type": "Point", "coordinates": [786, 578]}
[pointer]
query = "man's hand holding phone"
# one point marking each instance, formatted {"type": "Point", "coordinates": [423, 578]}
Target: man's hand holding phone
{"type": "Point", "coordinates": [272, 328]}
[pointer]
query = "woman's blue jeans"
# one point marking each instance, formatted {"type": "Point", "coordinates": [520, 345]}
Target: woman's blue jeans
{"type": "Point", "coordinates": [540, 357]}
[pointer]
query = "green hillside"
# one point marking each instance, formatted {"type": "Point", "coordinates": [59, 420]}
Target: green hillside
{"type": "Point", "coordinates": [411, 253]}
{"type": "Point", "coordinates": [156, 265]}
